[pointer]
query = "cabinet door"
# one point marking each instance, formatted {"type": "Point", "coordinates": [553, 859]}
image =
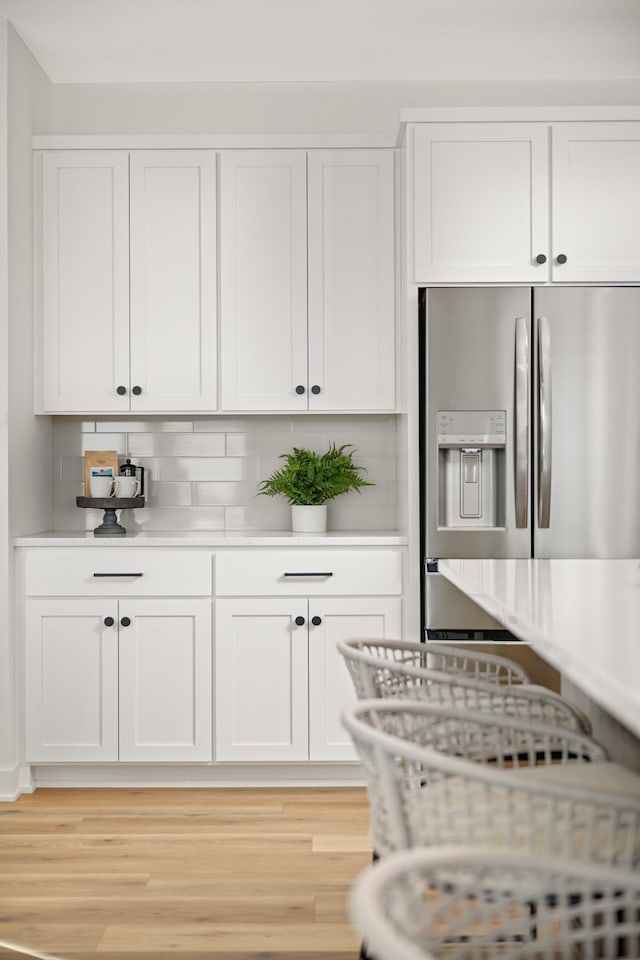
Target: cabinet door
{"type": "Point", "coordinates": [351, 280]}
{"type": "Point", "coordinates": [261, 679]}
{"type": "Point", "coordinates": [173, 280]}
{"type": "Point", "coordinates": [331, 690]}
{"type": "Point", "coordinates": [481, 202]}
{"type": "Point", "coordinates": [85, 280]}
{"type": "Point", "coordinates": [165, 680]}
{"type": "Point", "coordinates": [596, 202]}
{"type": "Point", "coordinates": [71, 662]}
{"type": "Point", "coordinates": [263, 278]}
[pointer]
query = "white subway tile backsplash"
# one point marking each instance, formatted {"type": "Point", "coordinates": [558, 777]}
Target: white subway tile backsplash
{"type": "Point", "coordinates": [377, 468]}
{"type": "Point", "coordinates": [175, 518]}
{"type": "Point", "coordinates": [242, 423]}
{"type": "Point", "coordinates": [170, 494]}
{"type": "Point", "coordinates": [204, 472]}
{"type": "Point", "coordinates": [383, 492]}
{"type": "Point", "coordinates": [262, 513]}
{"type": "Point", "coordinates": [97, 441]}
{"type": "Point", "coordinates": [223, 494]}
{"type": "Point", "coordinates": [353, 517]}
{"type": "Point", "coordinates": [259, 444]}
{"type": "Point", "coordinates": [368, 445]}
{"type": "Point", "coordinates": [352, 424]}
{"type": "Point", "coordinates": [145, 426]}
{"type": "Point", "coordinates": [203, 468]}
{"type": "Point", "coordinates": [176, 445]}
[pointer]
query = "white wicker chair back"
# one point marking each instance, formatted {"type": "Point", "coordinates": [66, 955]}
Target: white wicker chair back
{"type": "Point", "coordinates": [438, 775]}
{"type": "Point", "coordinates": [382, 668]}
{"type": "Point", "coordinates": [480, 904]}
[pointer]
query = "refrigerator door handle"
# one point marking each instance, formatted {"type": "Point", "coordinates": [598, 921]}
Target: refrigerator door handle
{"type": "Point", "coordinates": [522, 423]}
{"type": "Point", "coordinates": [544, 422]}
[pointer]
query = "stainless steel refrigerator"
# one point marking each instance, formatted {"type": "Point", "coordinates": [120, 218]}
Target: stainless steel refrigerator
{"type": "Point", "coordinates": [530, 432]}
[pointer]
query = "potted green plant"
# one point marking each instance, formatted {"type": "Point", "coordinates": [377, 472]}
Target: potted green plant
{"type": "Point", "coordinates": [308, 480]}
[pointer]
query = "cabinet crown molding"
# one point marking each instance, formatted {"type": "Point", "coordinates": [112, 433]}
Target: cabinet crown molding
{"type": "Point", "coordinates": [210, 142]}
{"type": "Point", "coordinates": [542, 114]}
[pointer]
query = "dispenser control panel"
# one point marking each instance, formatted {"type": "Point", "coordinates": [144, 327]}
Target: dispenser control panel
{"type": "Point", "coordinates": [472, 428]}
{"type": "Point", "coordinates": [471, 468]}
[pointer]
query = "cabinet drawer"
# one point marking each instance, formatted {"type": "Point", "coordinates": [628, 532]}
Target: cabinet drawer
{"type": "Point", "coordinates": [114, 571]}
{"type": "Point", "coordinates": [304, 572]}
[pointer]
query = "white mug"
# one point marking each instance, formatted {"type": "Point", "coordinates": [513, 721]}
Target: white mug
{"type": "Point", "coordinates": [127, 487]}
{"type": "Point", "coordinates": [103, 486]}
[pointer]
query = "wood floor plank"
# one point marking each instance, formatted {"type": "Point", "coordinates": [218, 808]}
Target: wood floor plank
{"type": "Point", "coordinates": [35, 885]}
{"type": "Point", "coordinates": [220, 938]}
{"type": "Point", "coordinates": [271, 909]}
{"type": "Point", "coordinates": [206, 955]}
{"type": "Point", "coordinates": [340, 843]}
{"type": "Point", "coordinates": [135, 874]}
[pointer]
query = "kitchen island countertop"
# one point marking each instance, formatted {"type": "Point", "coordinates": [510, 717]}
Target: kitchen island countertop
{"type": "Point", "coordinates": [581, 616]}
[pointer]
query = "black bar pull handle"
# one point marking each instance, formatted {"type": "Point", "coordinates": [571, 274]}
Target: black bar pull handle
{"type": "Point", "coordinates": [326, 573]}
{"type": "Point", "coordinates": [118, 574]}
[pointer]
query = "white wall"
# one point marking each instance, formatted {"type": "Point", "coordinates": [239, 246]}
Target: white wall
{"type": "Point", "coordinates": [282, 108]}
{"type": "Point", "coordinates": [29, 436]}
{"type": "Point", "coordinates": [25, 441]}
{"type": "Point", "coordinates": [7, 709]}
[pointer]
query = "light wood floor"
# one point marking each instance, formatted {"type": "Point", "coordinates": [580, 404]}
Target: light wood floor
{"type": "Point", "coordinates": [196, 873]}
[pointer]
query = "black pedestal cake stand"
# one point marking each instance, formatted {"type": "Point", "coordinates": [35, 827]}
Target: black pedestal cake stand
{"type": "Point", "coordinates": [110, 526]}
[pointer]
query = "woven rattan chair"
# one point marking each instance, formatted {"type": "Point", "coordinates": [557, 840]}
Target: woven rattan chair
{"type": "Point", "coordinates": [481, 904]}
{"type": "Point", "coordinates": [395, 668]}
{"type": "Point", "coordinates": [438, 775]}
{"type": "Point", "coordinates": [487, 667]}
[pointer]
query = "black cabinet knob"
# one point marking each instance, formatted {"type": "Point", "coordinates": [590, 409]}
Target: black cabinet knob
{"type": "Point", "coordinates": [121, 391]}
{"type": "Point", "coordinates": [300, 389]}
{"type": "Point", "coordinates": [541, 258]}
{"type": "Point", "coordinates": [299, 621]}
{"type": "Point", "coordinates": [561, 258]}
{"type": "Point", "coordinates": [316, 621]}
{"type": "Point", "coordinates": [125, 622]}
{"type": "Point", "coordinates": [315, 389]}
{"type": "Point", "coordinates": [109, 621]}
{"type": "Point", "coordinates": [137, 391]}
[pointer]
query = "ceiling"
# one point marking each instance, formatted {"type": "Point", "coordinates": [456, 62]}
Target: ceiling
{"type": "Point", "coordinates": [366, 41]}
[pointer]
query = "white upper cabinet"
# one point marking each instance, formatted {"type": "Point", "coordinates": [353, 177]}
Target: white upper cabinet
{"type": "Point", "coordinates": [596, 202]}
{"type": "Point", "coordinates": [483, 191]}
{"type": "Point", "coordinates": [307, 280]}
{"type": "Point", "coordinates": [481, 202]}
{"type": "Point", "coordinates": [351, 280]}
{"type": "Point", "coordinates": [85, 280]}
{"type": "Point", "coordinates": [173, 280]}
{"type": "Point", "coordinates": [128, 281]}
{"type": "Point", "coordinates": [263, 279]}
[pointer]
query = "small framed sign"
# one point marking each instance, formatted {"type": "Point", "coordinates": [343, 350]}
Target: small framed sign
{"type": "Point", "coordinates": [99, 463]}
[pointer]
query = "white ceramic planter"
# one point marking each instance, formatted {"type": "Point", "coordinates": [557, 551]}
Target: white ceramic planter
{"type": "Point", "coordinates": [307, 519]}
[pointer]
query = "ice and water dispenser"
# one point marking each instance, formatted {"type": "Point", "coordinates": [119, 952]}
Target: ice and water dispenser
{"type": "Point", "coordinates": [471, 468]}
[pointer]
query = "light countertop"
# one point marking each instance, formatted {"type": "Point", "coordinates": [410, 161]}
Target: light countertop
{"type": "Point", "coordinates": [581, 616]}
{"type": "Point", "coordinates": [205, 538]}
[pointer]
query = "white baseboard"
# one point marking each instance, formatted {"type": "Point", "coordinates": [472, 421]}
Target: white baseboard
{"type": "Point", "coordinates": [14, 781]}
{"type": "Point", "coordinates": [199, 775]}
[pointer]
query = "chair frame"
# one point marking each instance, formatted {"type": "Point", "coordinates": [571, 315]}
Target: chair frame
{"type": "Point", "coordinates": [438, 775]}
{"type": "Point", "coordinates": [390, 668]}
{"type": "Point", "coordinates": [478, 901]}
{"type": "Point", "coordinates": [489, 667]}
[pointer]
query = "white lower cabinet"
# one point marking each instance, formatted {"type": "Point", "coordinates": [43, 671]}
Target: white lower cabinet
{"type": "Point", "coordinates": [281, 685]}
{"type": "Point", "coordinates": [110, 680]}
{"type": "Point", "coordinates": [118, 655]}
{"type": "Point", "coordinates": [71, 680]}
{"type": "Point", "coordinates": [119, 651]}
